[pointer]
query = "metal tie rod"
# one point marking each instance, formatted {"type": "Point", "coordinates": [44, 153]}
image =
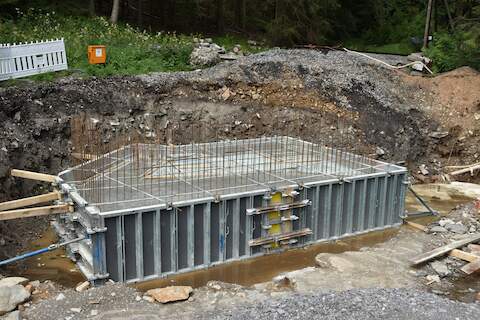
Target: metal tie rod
{"type": "Point", "coordinates": [40, 251]}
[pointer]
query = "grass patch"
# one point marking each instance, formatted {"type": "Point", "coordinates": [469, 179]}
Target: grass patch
{"type": "Point", "coordinates": [129, 51]}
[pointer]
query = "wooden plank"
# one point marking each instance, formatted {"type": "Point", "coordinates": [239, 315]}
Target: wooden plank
{"type": "Point", "coordinates": [25, 202]}
{"type": "Point", "coordinates": [33, 175]}
{"type": "Point", "coordinates": [35, 212]}
{"type": "Point", "coordinates": [424, 257]}
{"type": "Point", "coordinates": [460, 254]}
{"type": "Point", "coordinates": [416, 225]}
{"type": "Point", "coordinates": [462, 171]}
{"type": "Point", "coordinates": [471, 267]}
{"type": "Point", "coordinates": [280, 237]}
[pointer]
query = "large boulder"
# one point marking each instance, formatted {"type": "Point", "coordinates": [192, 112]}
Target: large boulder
{"type": "Point", "coordinates": [11, 281]}
{"type": "Point", "coordinates": [204, 57]}
{"type": "Point", "coordinates": [11, 297]}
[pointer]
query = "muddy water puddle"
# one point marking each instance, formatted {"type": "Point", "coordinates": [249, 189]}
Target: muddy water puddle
{"type": "Point", "coordinates": [264, 268]}
{"type": "Point", "coordinates": [53, 265]}
{"type": "Point", "coordinates": [437, 197]}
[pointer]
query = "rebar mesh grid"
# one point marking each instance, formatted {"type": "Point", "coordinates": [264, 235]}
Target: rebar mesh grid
{"type": "Point", "coordinates": [140, 174]}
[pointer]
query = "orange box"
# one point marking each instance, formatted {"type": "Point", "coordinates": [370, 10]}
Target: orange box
{"type": "Point", "coordinates": [97, 54]}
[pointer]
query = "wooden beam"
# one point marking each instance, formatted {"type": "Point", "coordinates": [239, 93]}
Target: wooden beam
{"type": "Point", "coordinates": [424, 257]}
{"type": "Point", "coordinates": [460, 254]}
{"type": "Point", "coordinates": [26, 202]}
{"type": "Point", "coordinates": [35, 212]}
{"type": "Point", "coordinates": [465, 170]}
{"type": "Point", "coordinates": [471, 267]}
{"type": "Point", "coordinates": [416, 225]}
{"type": "Point", "coordinates": [33, 175]}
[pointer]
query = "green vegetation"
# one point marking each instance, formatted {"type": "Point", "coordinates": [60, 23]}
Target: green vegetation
{"type": "Point", "coordinates": [128, 50]}
{"type": "Point", "coordinates": [229, 41]}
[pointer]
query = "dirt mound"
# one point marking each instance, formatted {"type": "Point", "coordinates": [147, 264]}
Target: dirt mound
{"type": "Point", "coordinates": [452, 99]}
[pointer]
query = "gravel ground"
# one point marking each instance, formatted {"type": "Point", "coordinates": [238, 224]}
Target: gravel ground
{"type": "Point", "coordinates": [118, 303]}
{"type": "Point", "coordinates": [354, 304]}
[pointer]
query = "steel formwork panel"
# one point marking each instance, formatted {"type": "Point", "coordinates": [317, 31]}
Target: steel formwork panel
{"type": "Point", "coordinates": [157, 238]}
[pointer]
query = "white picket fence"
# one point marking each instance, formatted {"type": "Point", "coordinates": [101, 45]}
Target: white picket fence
{"type": "Point", "coordinates": [26, 59]}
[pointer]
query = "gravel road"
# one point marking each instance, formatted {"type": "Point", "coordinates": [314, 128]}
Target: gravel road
{"type": "Point", "coordinates": [354, 304]}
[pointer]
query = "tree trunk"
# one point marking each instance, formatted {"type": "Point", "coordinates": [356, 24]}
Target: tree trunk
{"type": "Point", "coordinates": [244, 14]}
{"type": "Point", "coordinates": [140, 14]}
{"type": "Point", "coordinates": [427, 24]}
{"type": "Point", "coordinates": [450, 20]}
{"type": "Point", "coordinates": [240, 13]}
{"type": "Point", "coordinates": [220, 17]}
{"type": "Point", "coordinates": [115, 11]}
{"type": "Point", "coordinates": [91, 8]}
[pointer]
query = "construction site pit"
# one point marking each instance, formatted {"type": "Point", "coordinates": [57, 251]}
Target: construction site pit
{"type": "Point", "coordinates": [146, 211]}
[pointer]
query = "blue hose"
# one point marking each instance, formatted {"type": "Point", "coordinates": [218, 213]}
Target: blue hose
{"type": "Point", "coordinates": [24, 256]}
{"type": "Point", "coordinates": [40, 251]}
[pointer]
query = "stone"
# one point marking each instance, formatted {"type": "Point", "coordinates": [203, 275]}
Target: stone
{"type": "Point", "coordinates": [438, 229]}
{"type": "Point", "coordinates": [14, 315]}
{"type": "Point", "coordinates": [433, 278]}
{"type": "Point", "coordinates": [444, 222]}
{"type": "Point", "coordinates": [204, 57]}
{"type": "Point", "coordinates": [94, 313]}
{"type": "Point", "coordinates": [440, 268]}
{"type": "Point", "coordinates": [439, 134]}
{"type": "Point", "coordinates": [284, 281]}
{"type": "Point", "coordinates": [226, 94]}
{"type": "Point", "coordinates": [76, 310]}
{"type": "Point", "coordinates": [11, 281]}
{"type": "Point", "coordinates": [11, 296]}
{"type": "Point", "coordinates": [379, 151]}
{"type": "Point", "coordinates": [170, 294]}
{"type": "Point", "coordinates": [423, 169]}
{"type": "Point", "coordinates": [456, 228]}
{"type": "Point", "coordinates": [60, 297]}
{"type": "Point", "coordinates": [83, 286]}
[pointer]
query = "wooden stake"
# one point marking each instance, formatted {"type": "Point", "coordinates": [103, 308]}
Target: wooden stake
{"type": "Point", "coordinates": [35, 212]}
{"type": "Point", "coordinates": [427, 256]}
{"type": "Point", "coordinates": [33, 175]}
{"type": "Point", "coordinates": [25, 202]}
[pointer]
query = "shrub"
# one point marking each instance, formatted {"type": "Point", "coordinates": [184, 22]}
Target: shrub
{"type": "Point", "coordinates": [450, 51]}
